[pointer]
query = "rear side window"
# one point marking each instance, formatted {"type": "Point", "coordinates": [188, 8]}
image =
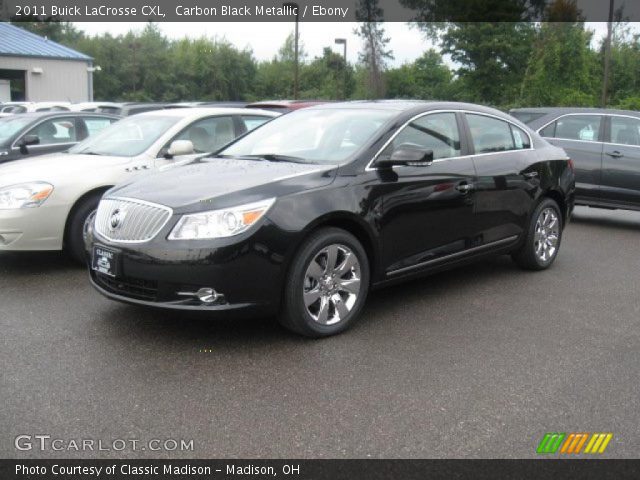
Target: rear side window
{"type": "Point", "coordinates": [88, 126]}
{"type": "Point", "coordinates": [491, 134]}
{"type": "Point", "coordinates": [253, 121]}
{"type": "Point", "coordinates": [625, 131]}
{"type": "Point", "coordinates": [520, 138]}
{"type": "Point", "coordinates": [585, 128]}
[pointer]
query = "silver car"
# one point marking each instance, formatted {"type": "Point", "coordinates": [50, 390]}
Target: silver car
{"type": "Point", "coordinates": [45, 201]}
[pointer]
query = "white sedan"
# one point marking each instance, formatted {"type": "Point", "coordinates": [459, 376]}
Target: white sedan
{"type": "Point", "coordinates": [45, 201]}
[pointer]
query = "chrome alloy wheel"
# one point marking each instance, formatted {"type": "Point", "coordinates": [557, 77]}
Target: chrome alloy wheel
{"type": "Point", "coordinates": [331, 284]}
{"type": "Point", "coordinates": [547, 234]}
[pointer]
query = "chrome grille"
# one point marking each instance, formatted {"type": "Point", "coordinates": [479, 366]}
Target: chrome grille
{"type": "Point", "coordinates": [127, 220]}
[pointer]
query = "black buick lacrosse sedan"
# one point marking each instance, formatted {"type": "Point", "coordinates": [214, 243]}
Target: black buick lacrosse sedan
{"type": "Point", "coordinates": [304, 215]}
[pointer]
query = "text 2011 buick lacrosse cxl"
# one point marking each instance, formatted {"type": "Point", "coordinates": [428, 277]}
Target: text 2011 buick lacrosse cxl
{"type": "Point", "coordinates": [304, 215]}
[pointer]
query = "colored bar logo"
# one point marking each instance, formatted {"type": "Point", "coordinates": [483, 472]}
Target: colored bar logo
{"type": "Point", "coordinates": [573, 443]}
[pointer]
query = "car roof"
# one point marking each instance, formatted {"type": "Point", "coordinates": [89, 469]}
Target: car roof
{"type": "Point", "coordinates": [413, 106]}
{"type": "Point", "coordinates": [565, 110]}
{"type": "Point", "coordinates": [60, 113]}
{"type": "Point", "coordinates": [198, 111]}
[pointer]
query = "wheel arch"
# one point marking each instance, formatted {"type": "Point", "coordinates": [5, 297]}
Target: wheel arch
{"type": "Point", "coordinates": [559, 198]}
{"type": "Point", "coordinates": [79, 201]}
{"type": "Point", "coordinates": [355, 226]}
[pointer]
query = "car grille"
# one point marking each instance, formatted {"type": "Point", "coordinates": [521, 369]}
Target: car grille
{"type": "Point", "coordinates": [130, 221]}
{"type": "Point", "coordinates": [129, 287]}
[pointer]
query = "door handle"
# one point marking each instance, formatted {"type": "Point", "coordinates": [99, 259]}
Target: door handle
{"type": "Point", "coordinates": [530, 174]}
{"type": "Point", "coordinates": [615, 154]}
{"type": "Point", "coordinates": [465, 187]}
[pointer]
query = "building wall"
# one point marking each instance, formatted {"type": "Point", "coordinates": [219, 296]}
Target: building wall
{"type": "Point", "coordinates": [60, 80]}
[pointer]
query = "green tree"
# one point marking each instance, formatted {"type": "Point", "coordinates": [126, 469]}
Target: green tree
{"type": "Point", "coordinates": [563, 69]}
{"type": "Point", "coordinates": [624, 82]}
{"type": "Point", "coordinates": [375, 53]}
{"type": "Point", "coordinates": [425, 78]}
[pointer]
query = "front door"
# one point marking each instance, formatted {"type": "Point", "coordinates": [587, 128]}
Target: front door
{"type": "Point", "coordinates": [427, 211]}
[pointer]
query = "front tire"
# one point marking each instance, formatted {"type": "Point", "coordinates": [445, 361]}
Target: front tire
{"type": "Point", "coordinates": [544, 236]}
{"type": "Point", "coordinates": [327, 284]}
{"type": "Point", "coordinates": [76, 230]}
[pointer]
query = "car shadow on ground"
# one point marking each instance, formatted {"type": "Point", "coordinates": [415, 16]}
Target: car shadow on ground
{"type": "Point", "coordinates": [36, 262]}
{"type": "Point", "coordinates": [155, 326]}
{"type": "Point", "coordinates": [630, 221]}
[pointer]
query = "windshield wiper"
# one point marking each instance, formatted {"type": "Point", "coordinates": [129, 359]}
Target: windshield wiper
{"type": "Point", "coordinates": [273, 157]}
{"type": "Point", "coordinates": [89, 152]}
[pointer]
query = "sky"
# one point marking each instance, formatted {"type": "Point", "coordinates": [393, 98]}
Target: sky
{"type": "Point", "coordinates": [406, 42]}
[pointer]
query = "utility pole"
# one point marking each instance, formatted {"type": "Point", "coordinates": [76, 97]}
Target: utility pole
{"type": "Point", "coordinates": [607, 56]}
{"type": "Point", "coordinates": [296, 8]}
{"type": "Point", "coordinates": [343, 41]}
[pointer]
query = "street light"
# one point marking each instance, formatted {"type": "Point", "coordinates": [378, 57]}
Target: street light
{"type": "Point", "coordinates": [296, 8]}
{"type": "Point", "coordinates": [343, 41]}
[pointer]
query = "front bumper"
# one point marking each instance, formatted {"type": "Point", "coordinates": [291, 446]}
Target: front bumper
{"type": "Point", "coordinates": [246, 272]}
{"type": "Point", "coordinates": [40, 228]}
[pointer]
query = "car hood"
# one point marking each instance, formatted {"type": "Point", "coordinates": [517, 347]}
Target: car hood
{"type": "Point", "coordinates": [191, 186]}
{"type": "Point", "coordinates": [52, 167]}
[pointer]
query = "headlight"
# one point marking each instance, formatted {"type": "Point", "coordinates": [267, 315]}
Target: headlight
{"type": "Point", "coordinates": [220, 223]}
{"type": "Point", "coordinates": [24, 195]}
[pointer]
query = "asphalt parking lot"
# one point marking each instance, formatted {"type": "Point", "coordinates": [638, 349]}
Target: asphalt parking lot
{"type": "Point", "coordinates": [476, 362]}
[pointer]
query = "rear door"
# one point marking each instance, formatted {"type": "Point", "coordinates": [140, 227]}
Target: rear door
{"type": "Point", "coordinates": [581, 136]}
{"type": "Point", "coordinates": [503, 151]}
{"type": "Point", "coordinates": [621, 162]}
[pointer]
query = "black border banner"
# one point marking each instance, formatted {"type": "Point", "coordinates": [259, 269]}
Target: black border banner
{"type": "Point", "coordinates": [318, 10]}
{"type": "Point", "coordinates": [318, 469]}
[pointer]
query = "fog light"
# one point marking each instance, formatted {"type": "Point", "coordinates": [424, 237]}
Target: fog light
{"type": "Point", "coordinates": [207, 295]}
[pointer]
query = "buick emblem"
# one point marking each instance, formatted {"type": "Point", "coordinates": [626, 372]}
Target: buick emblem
{"type": "Point", "coordinates": [116, 219]}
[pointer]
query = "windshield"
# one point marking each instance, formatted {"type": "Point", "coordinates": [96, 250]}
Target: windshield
{"type": "Point", "coordinates": [312, 136]}
{"type": "Point", "coordinates": [10, 126]}
{"type": "Point", "coordinates": [128, 137]}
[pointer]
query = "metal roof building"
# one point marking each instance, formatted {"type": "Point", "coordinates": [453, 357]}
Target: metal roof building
{"type": "Point", "coordinates": [33, 68]}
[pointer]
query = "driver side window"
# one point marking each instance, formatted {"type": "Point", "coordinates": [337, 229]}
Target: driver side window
{"type": "Point", "coordinates": [437, 132]}
{"type": "Point", "coordinates": [207, 134]}
{"type": "Point", "coordinates": [60, 130]}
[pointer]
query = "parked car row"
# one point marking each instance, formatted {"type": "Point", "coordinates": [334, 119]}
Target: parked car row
{"type": "Point", "coordinates": [234, 211]}
{"type": "Point", "coordinates": [132, 108]}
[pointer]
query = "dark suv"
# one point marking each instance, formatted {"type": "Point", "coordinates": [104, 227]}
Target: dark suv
{"type": "Point", "coordinates": [605, 146]}
{"type": "Point", "coordinates": [304, 214]}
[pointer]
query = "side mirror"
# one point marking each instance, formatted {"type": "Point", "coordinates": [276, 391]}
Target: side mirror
{"type": "Point", "coordinates": [407, 155]}
{"type": "Point", "coordinates": [31, 140]}
{"type": "Point", "coordinates": [180, 147]}
{"type": "Point", "coordinates": [28, 140]}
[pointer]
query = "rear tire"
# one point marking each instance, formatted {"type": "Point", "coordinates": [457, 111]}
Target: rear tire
{"type": "Point", "coordinates": [76, 229]}
{"type": "Point", "coordinates": [543, 239]}
{"type": "Point", "coordinates": [327, 284]}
